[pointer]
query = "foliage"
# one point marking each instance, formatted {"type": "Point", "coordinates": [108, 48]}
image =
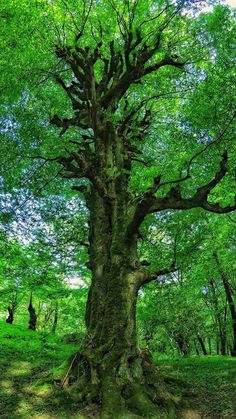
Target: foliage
{"type": "Point", "coordinates": [117, 176]}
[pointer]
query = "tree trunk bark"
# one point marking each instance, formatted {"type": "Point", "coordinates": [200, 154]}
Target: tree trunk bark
{"type": "Point", "coordinates": [10, 317]}
{"type": "Point", "coordinates": [110, 369]}
{"type": "Point", "coordinates": [12, 308]}
{"type": "Point", "coordinates": [47, 316]}
{"type": "Point", "coordinates": [200, 340]}
{"type": "Point", "coordinates": [55, 320]}
{"type": "Point", "coordinates": [32, 313]}
{"type": "Point", "coordinates": [183, 345]}
{"type": "Point", "coordinates": [223, 339]}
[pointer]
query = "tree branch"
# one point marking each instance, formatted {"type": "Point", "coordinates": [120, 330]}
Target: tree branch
{"type": "Point", "coordinates": [152, 276]}
{"type": "Point", "coordinates": [85, 18]}
{"type": "Point", "coordinates": [149, 203]}
{"type": "Point", "coordinates": [173, 199]}
{"type": "Point", "coordinates": [216, 141]}
{"type": "Point", "coordinates": [162, 63]}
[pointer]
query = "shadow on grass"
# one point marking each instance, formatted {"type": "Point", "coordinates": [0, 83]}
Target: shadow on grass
{"type": "Point", "coordinates": [26, 388]}
{"type": "Point", "coordinates": [211, 380]}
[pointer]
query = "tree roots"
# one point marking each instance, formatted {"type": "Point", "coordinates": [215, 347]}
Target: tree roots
{"type": "Point", "coordinates": [131, 386]}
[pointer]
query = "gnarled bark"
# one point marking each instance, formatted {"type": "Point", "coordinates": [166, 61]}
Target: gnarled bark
{"type": "Point", "coordinates": [110, 369]}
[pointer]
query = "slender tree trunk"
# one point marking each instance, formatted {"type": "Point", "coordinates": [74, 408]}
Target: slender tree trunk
{"type": "Point", "coordinates": [220, 322]}
{"type": "Point", "coordinates": [12, 309]}
{"type": "Point", "coordinates": [223, 340]}
{"type": "Point", "coordinates": [200, 340]}
{"type": "Point", "coordinates": [10, 317]}
{"type": "Point", "coordinates": [183, 344]}
{"type": "Point", "coordinates": [32, 313]}
{"type": "Point", "coordinates": [209, 345]}
{"type": "Point", "coordinates": [230, 301]}
{"type": "Point", "coordinates": [55, 320]}
{"type": "Point", "coordinates": [196, 348]}
{"type": "Point", "coordinates": [47, 316]}
{"type": "Point", "coordinates": [39, 312]}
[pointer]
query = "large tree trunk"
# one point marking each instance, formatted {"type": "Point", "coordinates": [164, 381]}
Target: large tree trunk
{"type": "Point", "coordinates": [110, 369]}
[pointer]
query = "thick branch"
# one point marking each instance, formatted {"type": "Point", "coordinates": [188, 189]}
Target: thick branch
{"type": "Point", "coordinates": [162, 63]}
{"type": "Point", "coordinates": [134, 74]}
{"type": "Point", "coordinates": [84, 169]}
{"type": "Point", "coordinates": [173, 199]}
{"type": "Point", "coordinates": [68, 90]}
{"type": "Point", "coordinates": [152, 276]}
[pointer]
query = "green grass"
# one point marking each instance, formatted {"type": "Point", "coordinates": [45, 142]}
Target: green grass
{"type": "Point", "coordinates": [28, 358]}
{"type": "Point", "coordinates": [210, 382]}
{"type": "Point", "coordinates": [26, 363]}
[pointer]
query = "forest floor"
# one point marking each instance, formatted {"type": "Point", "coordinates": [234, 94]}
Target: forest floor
{"type": "Point", "coordinates": [211, 381]}
{"type": "Point", "coordinates": [26, 359]}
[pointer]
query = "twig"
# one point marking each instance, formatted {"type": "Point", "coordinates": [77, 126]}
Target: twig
{"type": "Point", "coordinates": [68, 371]}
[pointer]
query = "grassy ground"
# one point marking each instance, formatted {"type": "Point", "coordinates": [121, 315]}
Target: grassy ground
{"type": "Point", "coordinates": [26, 361]}
{"type": "Point", "coordinates": [26, 389]}
{"type": "Point", "coordinates": [211, 381]}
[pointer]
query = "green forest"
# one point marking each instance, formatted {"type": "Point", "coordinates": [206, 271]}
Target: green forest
{"type": "Point", "coordinates": [118, 209]}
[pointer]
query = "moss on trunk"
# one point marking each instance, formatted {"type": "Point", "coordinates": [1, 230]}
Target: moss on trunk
{"type": "Point", "coordinates": [110, 369]}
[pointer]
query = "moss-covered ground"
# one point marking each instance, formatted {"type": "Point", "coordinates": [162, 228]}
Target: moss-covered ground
{"type": "Point", "coordinates": [27, 361]}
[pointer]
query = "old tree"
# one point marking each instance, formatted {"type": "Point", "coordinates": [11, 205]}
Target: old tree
{"type": "Point", "coordinates": [139, 95]}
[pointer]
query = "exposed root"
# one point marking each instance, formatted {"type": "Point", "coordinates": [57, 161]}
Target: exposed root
{"type": "Point", "coordinates": [133, 386]}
